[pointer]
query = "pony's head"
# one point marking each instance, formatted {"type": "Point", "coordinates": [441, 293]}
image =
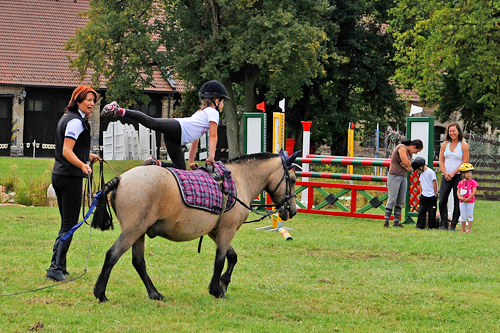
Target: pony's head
{"type": "Point", "coordinates": [283, 194]}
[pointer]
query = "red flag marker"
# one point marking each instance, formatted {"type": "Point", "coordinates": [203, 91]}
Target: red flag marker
{"type": "Point", "coordinates": [262, 106]}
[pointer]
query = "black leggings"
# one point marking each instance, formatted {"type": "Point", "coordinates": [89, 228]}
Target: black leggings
{"type": "Point", "coordinates": [171, 130]}
{"type": "Point", "coordinates": [444, 192]}
{"type": "Point", "coordinates": [69, 199]}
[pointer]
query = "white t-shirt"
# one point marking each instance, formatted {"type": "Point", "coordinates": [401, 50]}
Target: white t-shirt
{"type": "Point", "coordinates": [74, 128]}
{"type": "Point", "coordinates": [426, 181]}
{"type": "Point", "coordinates": [195, 126]}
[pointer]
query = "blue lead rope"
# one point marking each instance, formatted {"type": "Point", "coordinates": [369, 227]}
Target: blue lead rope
{"type": "Point", "coordinates": [78, 225]}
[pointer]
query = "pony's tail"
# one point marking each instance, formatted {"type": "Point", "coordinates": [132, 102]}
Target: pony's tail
{"type": "Point", "coordinates": [103, 218]}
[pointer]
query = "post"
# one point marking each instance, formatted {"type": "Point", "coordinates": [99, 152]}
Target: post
{"type": "Point", "coordinates": [350, 146]}
{"type": "Point", "coordinates": [419, 128]}
{"type": "Point", "coordinates": [254, 139]}
{"type": "Point", "coordinates": [278, 131]}
{"type": "Point", "coordinates": [377, 138]}
{"type": "Point", "coordinates": [306, 147]}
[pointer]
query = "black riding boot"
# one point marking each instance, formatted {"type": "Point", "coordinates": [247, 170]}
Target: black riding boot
{"type": "Point", "coordinates": [55, 271]}
{"type": "Point", "coordinates": [397, 217]}
{"type": "Point", "coordinates": [63, 256]}
{"type": "Point", "coordinates": [387, 217]}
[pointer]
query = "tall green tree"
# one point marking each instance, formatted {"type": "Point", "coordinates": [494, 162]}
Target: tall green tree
{"type": "Point", "coordinates": [356, 84]}
{"type": "Point", "coordinates": [236, 42]}
{"type": "Point", "coordinates": [448, 51]}
{"type": "Point", "coordinates": [117, 46]}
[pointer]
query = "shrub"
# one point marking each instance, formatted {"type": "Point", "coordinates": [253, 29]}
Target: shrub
{"type": "Point", "coordinates": [10, 179]}
{"type": "Point", "coordinates": [30, 190]}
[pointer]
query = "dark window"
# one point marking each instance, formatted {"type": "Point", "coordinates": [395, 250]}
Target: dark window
{"type": "Point", "coordinates": [150, 109]}
{"type": "Point", "coordinates": [35, 105]}
{"type": "Point", "coordinates": [3, 109]}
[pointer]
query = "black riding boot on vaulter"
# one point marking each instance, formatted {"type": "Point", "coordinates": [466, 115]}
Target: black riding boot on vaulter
{"type": "Point", "coordinates": [57, 267]}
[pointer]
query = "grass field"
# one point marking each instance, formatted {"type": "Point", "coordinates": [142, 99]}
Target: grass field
{"type": "Point", "coordinates": [337, 275]}
{"type": "Point", "coordinates": [40, 166]}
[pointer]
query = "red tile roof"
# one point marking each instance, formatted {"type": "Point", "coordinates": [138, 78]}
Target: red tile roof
{"type": "Point", "coordinates": [32, 35]}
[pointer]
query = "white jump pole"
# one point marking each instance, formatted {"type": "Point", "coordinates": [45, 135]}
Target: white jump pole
{"type": "Point", "coordinates": [306, 146]}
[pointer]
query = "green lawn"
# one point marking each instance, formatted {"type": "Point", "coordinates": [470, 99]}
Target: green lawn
{"type": "Point", "coordinates": [338, 274]}
{"type": "Point", "coordinates": [39, 166]}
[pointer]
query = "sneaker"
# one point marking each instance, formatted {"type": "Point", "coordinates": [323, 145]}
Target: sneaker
{"type": "Point", "coordinates": [450, 228]}
{"type": "Point", "coordinates": [386, 224]}
{"type": "Point", "coordinates": [110, 109]}
{"type": "Point", "coordinates": [443, 228]}
{"type": "Point", "coordinates": [468, 230]}
{"type": "Point", "coordinates": [397, 225]}
{"type": "Point", "coordinates": [151, 160]}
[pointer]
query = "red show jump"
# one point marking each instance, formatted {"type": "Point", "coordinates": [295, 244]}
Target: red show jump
{"type": "Point", "coordinates": [347, 161]}
{"type": "Point", "coordinates": [352, 191]}
{"type": "Point", "coordinates": [344, 176]}
{"type": "Point", "coordinates": [366, 160]}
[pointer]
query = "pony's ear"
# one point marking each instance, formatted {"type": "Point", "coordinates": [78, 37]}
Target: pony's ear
{"type": "Point", "coordinates": [291, 159]}
{"type": "Point", "coordinates": [282, 153]}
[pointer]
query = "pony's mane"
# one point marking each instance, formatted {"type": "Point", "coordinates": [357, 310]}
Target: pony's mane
{"type": "Point", "coordinates": [252, 157]}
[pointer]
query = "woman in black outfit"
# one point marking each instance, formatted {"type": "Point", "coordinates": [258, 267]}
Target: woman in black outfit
{"type": "Point", "coordinates": [70, 167]}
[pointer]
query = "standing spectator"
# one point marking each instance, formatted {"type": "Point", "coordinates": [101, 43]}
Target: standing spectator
{"type": "Point", "coordinates": [179, 131]}
{"type": "Point", "coordinates": [70, 167]}
{"type": "Point", "coordinates": [467, 195]}
{"type": "Point", "coordinates": [453, 153]}
{"type": "Point", "coordinates": [428, 197]}
{"type": "Point", "coordinates": [396, 179]}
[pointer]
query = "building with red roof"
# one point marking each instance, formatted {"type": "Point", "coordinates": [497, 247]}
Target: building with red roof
{"type": "Point", "coordinates": [35, 79]}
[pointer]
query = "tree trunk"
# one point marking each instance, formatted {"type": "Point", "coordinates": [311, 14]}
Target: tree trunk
{"type": "Point", "coordinates": [339, 140]}
{"type": "Point", "coordinates": [232, 121]}
{"type": "Point", "coordinates": [251, 77]}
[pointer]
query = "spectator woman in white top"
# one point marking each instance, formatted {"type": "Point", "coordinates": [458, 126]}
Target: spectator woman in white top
{"type": "Point", "coordinates": [453, 153]}
{"type": "Point", "coordinates": [179, 131]}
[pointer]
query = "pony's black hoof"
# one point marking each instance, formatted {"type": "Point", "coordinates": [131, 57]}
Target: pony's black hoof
{"type": "Point", "coordinates": [217, 294]}
{"type": "Point", "coordinates": [223, 289]}
{"type": "Point", "coordinates": [220, 292]}
{"type": "Point", "coordinates": [156, 297]}
{"type": "Point", "coordinates": [103, 299]}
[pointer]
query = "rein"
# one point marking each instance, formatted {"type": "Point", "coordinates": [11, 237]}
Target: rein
{"type": "Point", "coordinates": [278, 207]}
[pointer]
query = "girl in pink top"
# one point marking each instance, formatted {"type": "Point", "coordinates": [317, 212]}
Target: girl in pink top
{"type": "Point", "coordinates": [466, 192]}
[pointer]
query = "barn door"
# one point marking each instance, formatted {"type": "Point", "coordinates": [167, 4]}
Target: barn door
{"type": "Point", "coordinates": [5, 125]}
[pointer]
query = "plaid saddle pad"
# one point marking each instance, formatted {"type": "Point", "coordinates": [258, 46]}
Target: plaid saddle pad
{"type": "Point", "coordinates": [200, 190]}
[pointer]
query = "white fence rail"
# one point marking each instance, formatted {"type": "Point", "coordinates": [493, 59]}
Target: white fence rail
{"type": "Point", "coordinates": [124, 142]}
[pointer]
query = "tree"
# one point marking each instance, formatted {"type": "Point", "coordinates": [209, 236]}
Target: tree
{"type": "Point", "coordinates": [448, 51]}
{"type": "Point", "coordinates": [356, 83]}
{"type": "Point", "coordinates": [117, 46]}
{"type": "Point", "coordinates": [237, 42]}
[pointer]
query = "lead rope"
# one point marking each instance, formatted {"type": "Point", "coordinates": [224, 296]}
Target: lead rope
{"type": "Point", "coordinates": [88, 190]}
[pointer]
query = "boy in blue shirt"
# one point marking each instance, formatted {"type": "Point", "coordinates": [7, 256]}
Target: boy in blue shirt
{"type": "Point", "coordinates": [428, 196]}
